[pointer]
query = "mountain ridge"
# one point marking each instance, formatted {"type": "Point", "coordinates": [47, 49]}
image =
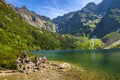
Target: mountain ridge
{"type": "Point", "coordinates": [36, 20]}
{"type": "Point", "coordinates": [103, 7]}
{"type": "Point", "coordinates": [85, 16]}
{"type": "Point", "coordinates": [97, 21]}
{"type": "Point", "coordinates": [90, 17]}
{"type": "Point", "coordinates": [110, 22]}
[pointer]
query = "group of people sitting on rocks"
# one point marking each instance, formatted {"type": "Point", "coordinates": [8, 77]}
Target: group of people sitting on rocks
{"type": "Point", "coordinates": [24, 64]}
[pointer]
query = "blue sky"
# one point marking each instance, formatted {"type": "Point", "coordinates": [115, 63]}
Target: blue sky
{"type": "Point", "coordinates": [52, 8]}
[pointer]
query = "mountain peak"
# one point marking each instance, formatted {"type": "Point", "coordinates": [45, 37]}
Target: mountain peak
{"type": "Point", "coordinates": [23, 7]}
{"type": "Point", "coordinates": [91, 4]}
{"type": "Point", "coordinates": [90, 7]}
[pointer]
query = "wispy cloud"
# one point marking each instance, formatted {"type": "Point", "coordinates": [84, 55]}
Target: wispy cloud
{"type": "Point", "coordinates": [51, 11]}
{"type": "Point", "coordinates": [58, 7]}
{"type": "Point", "coordinates": [52, 8]}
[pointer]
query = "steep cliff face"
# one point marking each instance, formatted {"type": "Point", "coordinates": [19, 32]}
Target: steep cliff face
{"type": "Point", "coordinates": [71, 25]}
{"type": "Point", "coordinates": [36, 20]}
{"type": "Point", "coordinates": [110, 22]}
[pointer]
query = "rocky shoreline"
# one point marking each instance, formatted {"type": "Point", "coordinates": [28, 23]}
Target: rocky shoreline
{"type": "Point", "coordinates": [54, 71]}
{"type": "Point", "coordinates": [57, 71]}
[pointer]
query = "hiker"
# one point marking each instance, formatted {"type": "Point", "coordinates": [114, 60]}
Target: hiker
{"type": "Point", "coordinates": [18, 63]}
{"type": "Point", "coordinates": [25, 65]}
{"type": "Point", "coordinates": [44, 61]}
{"type": "Point", "coordinates": [22, 68]}
{"type": "Point", "coordinates": [25, 59]}
{"type": "Point", "coordinates": [40, 65]}
{"type": "Point", "coordinates": [36, 60]}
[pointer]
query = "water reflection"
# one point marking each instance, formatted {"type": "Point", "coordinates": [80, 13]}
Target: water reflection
{"type": "Point", "coordinates": [93, 56]}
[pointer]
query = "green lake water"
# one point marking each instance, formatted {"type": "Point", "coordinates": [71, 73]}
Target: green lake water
{"type": "Point", "coordinates": [102, 61]}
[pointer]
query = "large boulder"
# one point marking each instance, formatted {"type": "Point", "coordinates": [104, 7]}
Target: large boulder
{"type": "Point", "coordinates": [64, 66]}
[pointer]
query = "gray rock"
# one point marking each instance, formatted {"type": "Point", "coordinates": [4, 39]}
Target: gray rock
{"type": "Point", "coordinates": [64, 66]}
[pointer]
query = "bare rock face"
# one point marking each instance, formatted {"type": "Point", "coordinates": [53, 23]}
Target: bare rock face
{"type": "Point", "coordinates": [64, 66]}
{"type": "Point", "coordinates": [36, 20]}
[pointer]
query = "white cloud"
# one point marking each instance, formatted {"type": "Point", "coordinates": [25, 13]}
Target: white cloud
{"type": "Point", "coordinates": [51, 11]}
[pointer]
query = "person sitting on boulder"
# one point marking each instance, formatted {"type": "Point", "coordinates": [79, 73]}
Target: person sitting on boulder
{"type": "Point", "coordinates": [36, 60]}
{"type": "Point", "coordinates": [24, 61]}
{"type": "Point", "coordinates": [44, 60]}
{"type": "Point", "coordinates": [40, 64]}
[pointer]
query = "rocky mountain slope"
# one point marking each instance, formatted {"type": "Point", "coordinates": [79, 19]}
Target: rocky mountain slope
{"type": "Point", "coordinates": [81, 22]}
{"type": "Point", "coordinates": [86, 21]}
{"type": "Point", "coordinates": [36, 20]}
{"type": "Point", "coordinates": [100, 21]}
{"type": "Point", "coordinates": [110, 22]}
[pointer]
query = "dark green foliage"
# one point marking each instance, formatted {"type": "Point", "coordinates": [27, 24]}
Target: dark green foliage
{"type": "Point", "coordinates": [8, 59]}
